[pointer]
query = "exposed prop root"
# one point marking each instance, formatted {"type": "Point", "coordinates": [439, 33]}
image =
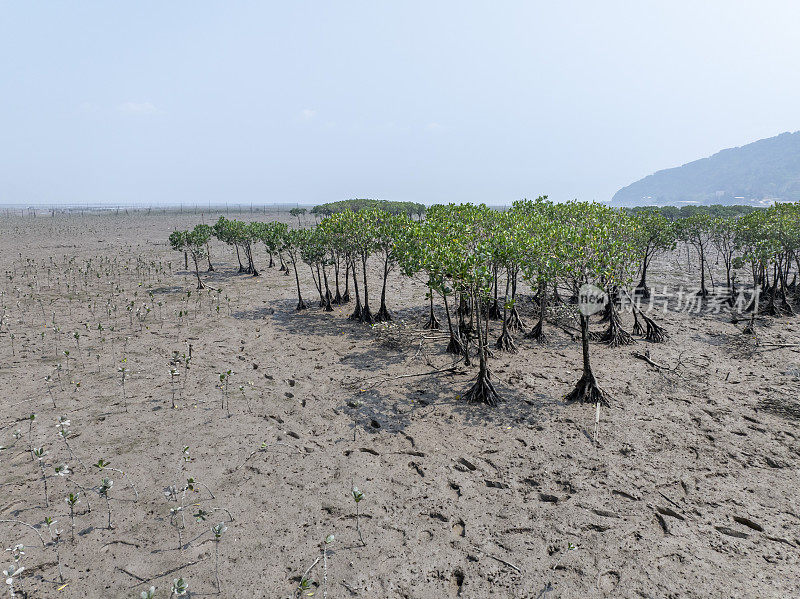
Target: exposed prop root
{"type": "Point", "coordinates": [482, 391]}
{"type": "Point", "coordinates": [337, 300]}
{"type": "Point", "coordinates": [506, 343]}
{"type": "Point", "coordinates": [301, 305]}
{"type": "Point", "coordinates": [615, 335]}
{"type": "Point", "coordinates": [514, 322]}
{"type": "Point", "coordinates": [383, 315]}
{"type": "Point", "coordinates": [366, 315]}
{"type": "Point", "coordinates": [346, 297]}
{"type": "Point", "coordinates": [432, 324]}
{"type": "Point", "coordinates": [537, 333]}
{"type": "Point", "coordinates": [642, 291]}
{"type": "Point", "coordinates": [356, 315]}
{"type": "Point", "coordinates": [786, 307]}
{"type": "Point", "coordinates": [588, 391]}
{"type": "Point", "coordinates": [655, 333]}
{"type": "Point", "coordinates": [770, 309]}
{"type": "Point", "coordinates": [455, 346]}
{"type": "Point", "coordinates": [637, 326]}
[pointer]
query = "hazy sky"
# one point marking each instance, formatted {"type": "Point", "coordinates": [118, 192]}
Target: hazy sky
{"type": "Point", "coordinates": [292, 101]}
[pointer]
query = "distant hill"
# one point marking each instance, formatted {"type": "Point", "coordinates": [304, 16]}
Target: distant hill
{"type": "Point", "coordinates": [756, 174]}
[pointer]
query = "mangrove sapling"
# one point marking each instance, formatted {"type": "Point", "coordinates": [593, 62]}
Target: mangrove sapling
{"type": "Point", "coordinates": [104, 490]}
{"type": "Point", "coordinates": [595, 245]}
{"type": "Point", "coordinates": [515, 322]}
{"type": "Point", "coordinates": [455, 346]}
{"type": "Point", "coordinates": [697, 230]}
{"type": "Point", "coordinates": [537, 332]}
{"type": "Point", "coordinates": [387, 228]}
{"type": "Point", "coordinates": [148, 594]}
{"type": "Point", "coordinates": [432, 323]}
{"type": "Point", "coordinates": [40, 453]}
{"type": "Point", "coordinates": [72, 500]}
{"type": "Point", "coordinates": [358, 496]}
{"type": "Point", "coordinates": [505, 342]}
{"type": "Point", "coordinates": [179, 587]}
{"type": "Point", "coordinates": [358, 310]}
{"type": "Point", "coordinates": [292, 242]}
{"type": "Point", "coordinates": [217, 530]}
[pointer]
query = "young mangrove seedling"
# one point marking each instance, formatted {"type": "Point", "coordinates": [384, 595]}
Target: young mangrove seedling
{"type": "Point", "coordinates": [179, 587]}
{"type": "Point", "coordinates": [173, 372]}
{"type": "Point", "coordinates": [174, 512]}
{"type": "Point", "coordinates": [64, 432]}
{"type": "Point", "coordinates": [10, 573]}
{"type": "Point", "coordinates": [218, 530]}
{"type": "Point", "coordinates": [328, 540]}
{"type": "Point", "coordinates": [224, 377]}
{"type": "Point", "coordinates": [40, 453]}
{"type": "Point", "coordinates": [357, 497]}
{"type": "Point", "coordinates": [55, 538]}
{"type": "Point", "coordinates": [102, 465]}
{"type": "Point", "coordinates": [72, 500]}
{"type": "Point", "coordinates": [103, 491]}
{"type": "Point", "coordinates": [47, 380]}
{"type": "Point", "coordinates": [31, 418]}
{"type": "Point", "coordinates": [14, 569]}
{"type": "Point", "coordinates": [304, 588]}
{"type": "Point", "coordinates": [148, 594]}
{"type": "Point", "coordinates": [122, 372]}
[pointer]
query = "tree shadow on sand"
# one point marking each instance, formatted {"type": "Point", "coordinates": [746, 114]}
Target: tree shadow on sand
{"type": "Point", "coordinates": [392, 410]}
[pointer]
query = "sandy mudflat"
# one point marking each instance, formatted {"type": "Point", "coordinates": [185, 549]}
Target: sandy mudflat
{"type": "Point", "coordinates": [692, 491]}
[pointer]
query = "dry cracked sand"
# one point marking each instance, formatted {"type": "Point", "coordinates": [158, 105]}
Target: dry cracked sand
{"type": "Point", "coordinates": [692, 490]}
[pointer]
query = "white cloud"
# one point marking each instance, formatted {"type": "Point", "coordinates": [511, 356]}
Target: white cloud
{"type": "Point", "coordinates": [309, 114]}
{"type": "Point", "coordinates": [138, 108]}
